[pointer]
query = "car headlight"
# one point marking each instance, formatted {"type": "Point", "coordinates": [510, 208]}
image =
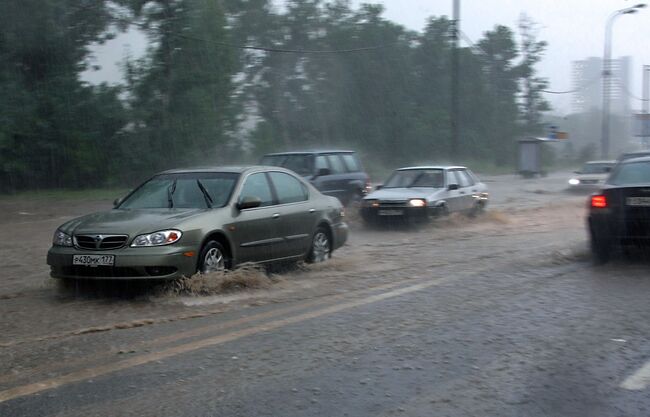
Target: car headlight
{"type": "Point", "coordinates": [370, 203]}
{"type": "Point", "coordinates": [61, 239]}
{"type": "Point", "coordinates": [574, 181]}
{"type": "Point", "coordinates": [417, 202]}
{"type": "Point", "coordinates": [161, 238]}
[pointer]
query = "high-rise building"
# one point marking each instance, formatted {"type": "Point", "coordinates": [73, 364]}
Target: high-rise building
{"type": "Point", "coordinates": [588, 83]}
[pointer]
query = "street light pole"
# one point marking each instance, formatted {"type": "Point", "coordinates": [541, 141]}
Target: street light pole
{"type": "Point", "coordinates": [607, 75]}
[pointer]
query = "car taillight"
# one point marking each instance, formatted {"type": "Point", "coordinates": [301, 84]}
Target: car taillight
{"type": "Point", "coordinates": [598, 201]}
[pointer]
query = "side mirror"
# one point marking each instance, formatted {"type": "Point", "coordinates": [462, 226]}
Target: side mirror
{"type": "Point", "coordinates": [248, 202]}
{"type": "Point", "coordinates": [379, 186]}
{"type": "Point", "coordinates": [323, 171]}
{"type": "Point", "coordinates": [452, 187]}
{"type": "Point", "coordinates": [117, 201]}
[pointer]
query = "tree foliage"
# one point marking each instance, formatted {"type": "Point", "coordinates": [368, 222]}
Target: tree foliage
{"type": "Point", "coordinates": [199, 96]}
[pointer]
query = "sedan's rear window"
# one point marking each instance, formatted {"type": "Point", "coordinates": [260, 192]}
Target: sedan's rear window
{"type": "Point", "coordinates": [187, 190]}
{"type": "Point", "coordinates": [631, 174]}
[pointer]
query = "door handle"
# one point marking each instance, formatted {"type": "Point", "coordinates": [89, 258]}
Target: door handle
{"type": "Point", "coordinates": [276, 216]}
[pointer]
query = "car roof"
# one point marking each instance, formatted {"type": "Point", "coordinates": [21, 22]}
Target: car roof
{"type": "Point", "coordinates": [238, 169]}
{"type": "Point", "coordinates": [601, 162]}
{"type": "Point", "coordinates": [639, 159]}
{"type": "Point", "coordinates": [309, 152]}
{"type": "Point", "coordinates": [432, 167]}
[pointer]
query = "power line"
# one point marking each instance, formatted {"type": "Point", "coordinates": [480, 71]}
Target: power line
{"type": "Point", "coordinates": [628, 92]}
{"type": "Point", "coordinates": [274, 49]}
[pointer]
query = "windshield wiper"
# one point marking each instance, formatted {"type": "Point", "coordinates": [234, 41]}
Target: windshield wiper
{"type": "Point", "coordinates": [206, 195]}
{"type": "Point", "coordinates": [420, 175]}
{"type": "Point", "coordinates": [170, 194]}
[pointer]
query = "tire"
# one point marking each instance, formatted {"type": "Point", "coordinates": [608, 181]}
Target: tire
{"type": "Point", "coordinates": [600, 249]}
{"type": "Point", "coordinates": [477, 210]}
{"type": "Point", "coordinates": [213, 258]}
{"type": "Point", "coordinates": [321, 246]}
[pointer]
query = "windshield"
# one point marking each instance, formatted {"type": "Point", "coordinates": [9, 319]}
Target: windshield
{"type": "Point", "coordinates": [194, 190]}
{"type": "Point", "coordinates": [302, 164]}
{"type": "Point", "coordinates": [596, 168]}
{"type": "Point", "coordinates": [431, 178]}
{"type": "Point", "coordinates": [633, 173]}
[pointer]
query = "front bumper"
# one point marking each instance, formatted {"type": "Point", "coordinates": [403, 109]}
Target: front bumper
{"type": "Point", "coordinates": [340, 232]}
{"type": "Point", "coordinates": [390, 213]}
{"type": "Point", "coordinates": [163, 262]}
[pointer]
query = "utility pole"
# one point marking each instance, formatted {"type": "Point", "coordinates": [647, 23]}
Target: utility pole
{"type": "Point", "coordinates": [455, 29]}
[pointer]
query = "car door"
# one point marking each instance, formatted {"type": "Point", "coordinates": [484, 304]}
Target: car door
{"type": "Point", "coordinates": [297, 219]}
{"type": "Point", "coordinates": [453, 198]}
{"type": "Point", "coordinates": [334, 183]}
{"type": "Point", "coordinates": [466, 183]}
{"type": "Point", "coordinates": [256, 230]}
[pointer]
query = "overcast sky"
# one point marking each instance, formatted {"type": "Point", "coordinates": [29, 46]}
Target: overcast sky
{"type": "Point", "coordinates": [574, 29]}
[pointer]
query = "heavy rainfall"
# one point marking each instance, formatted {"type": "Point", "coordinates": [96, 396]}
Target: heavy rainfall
{"type": "Point", "coordinates": [319, 208]}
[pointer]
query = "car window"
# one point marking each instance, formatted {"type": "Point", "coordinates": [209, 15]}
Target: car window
{"type": "Point", "coordinates": [429, 178]}
{"type": "Point", "coordinates": [302, 164]}
{"type": "Point", "coordinates": [631, 173]}
{"type": "Point", "coordinates": [336, 164]}
{"type": "Point", "coordinates": [596, 168]}
{"type": "Point", "coordinates": [464, 178]}
{"type": "Point", "coordinates": [351, 162]}
{"type": "Point", "coordinates": [183, 190]}
{"type": "Point", "coordinates": [321, 162]}
{"type": "Point", "coordinates": [288, 188]}
{"type": "Point", "coordinates": [453, 178]}
{"type": "Point", "coordinates": [257, 185]}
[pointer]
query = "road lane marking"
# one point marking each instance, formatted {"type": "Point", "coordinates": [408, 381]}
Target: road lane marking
{"type": "Point", "coordinates": [639, 380]}
{"type": "Point", "coordinates": [101, 370]}
{"type": "Point", "coordinates": [195, 332]}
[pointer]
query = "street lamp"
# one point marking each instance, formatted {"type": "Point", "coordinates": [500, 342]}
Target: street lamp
{"type": "Point", "coordinates": [607, 74]}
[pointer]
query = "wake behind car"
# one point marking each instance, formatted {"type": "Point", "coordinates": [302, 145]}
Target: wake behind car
{"type": "Point", "coordinates": [592, 176]}
{"type": "Point", "coordinates": [417, 193]}
{"type": "Point", "coordinates": [619, 214]}
{"type": "Point", "coordinates": [333, 172]}
{"type": "Point", "coordinates": [181, 222]}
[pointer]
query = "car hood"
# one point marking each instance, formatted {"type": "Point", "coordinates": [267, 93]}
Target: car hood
{"type": "Point", "coordinates": [403, 193]}
{"type": "Point", "coordinates": [129, 222]}
{"type": "Point", "coordinates": [588, 177]}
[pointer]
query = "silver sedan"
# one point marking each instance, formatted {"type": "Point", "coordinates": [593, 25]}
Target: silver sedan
{"type": "Point", "coordinates": [417, 193]}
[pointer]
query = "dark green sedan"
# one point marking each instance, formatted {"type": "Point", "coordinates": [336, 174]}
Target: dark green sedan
{"type": "Point", "coordinates": [181, 222]}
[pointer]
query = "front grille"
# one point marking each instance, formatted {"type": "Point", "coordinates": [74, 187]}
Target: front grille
{"type": "Point", "coordinates": [100, 242]}
{"type": "Point", "coordinates": [391, 203]}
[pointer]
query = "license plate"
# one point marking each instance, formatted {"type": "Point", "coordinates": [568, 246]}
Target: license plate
{"type": "Point", "coordinates": [391, 212]}
{"type": "Point", "coordinates": [638, 201]}
{"type": "Point", "coordinates": [93, 260]}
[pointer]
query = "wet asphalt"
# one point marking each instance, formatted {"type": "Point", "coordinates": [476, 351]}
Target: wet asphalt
{"type": "Point", "coordinates": [511, 318]}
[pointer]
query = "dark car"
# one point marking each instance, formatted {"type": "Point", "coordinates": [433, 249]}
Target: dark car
{"type": "Point", "coordinates": [333, 172]}
{"type": "Point", "coordinates": [631, 155]}
{"type": "Point", "coordinates": [201, 220]}
{"type": "Point", "coordinates": [619, 214]}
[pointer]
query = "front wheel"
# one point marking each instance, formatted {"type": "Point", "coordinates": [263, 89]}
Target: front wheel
{"type": "Point", "coordinates": [213, 258]}
{"type": "Point", "coordinates": [321, 247]}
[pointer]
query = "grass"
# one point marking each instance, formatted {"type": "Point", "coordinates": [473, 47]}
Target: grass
{"type": "Point", "coordinates": [68, 194]}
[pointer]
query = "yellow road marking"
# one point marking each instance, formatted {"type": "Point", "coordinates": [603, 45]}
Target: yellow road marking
{"type": "Point", "coordinates": [95, 372]}
{"type": "Point", "coordinates": [51, 367]}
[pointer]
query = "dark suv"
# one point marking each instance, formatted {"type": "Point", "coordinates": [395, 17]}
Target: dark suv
{"type": "Point", "coordinates": [335, 173]}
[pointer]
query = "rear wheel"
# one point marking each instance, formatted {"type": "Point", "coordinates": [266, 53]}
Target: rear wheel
{"type": "Point", "coordinates": [600, 249]}
{"type": "Point", "coordinates": [321, 246]}
{"type": "Point", "coordinates": [213, 258]}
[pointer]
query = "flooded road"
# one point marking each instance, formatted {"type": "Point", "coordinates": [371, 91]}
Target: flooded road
{"type": "Point", "coordinates": [503, 314]}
